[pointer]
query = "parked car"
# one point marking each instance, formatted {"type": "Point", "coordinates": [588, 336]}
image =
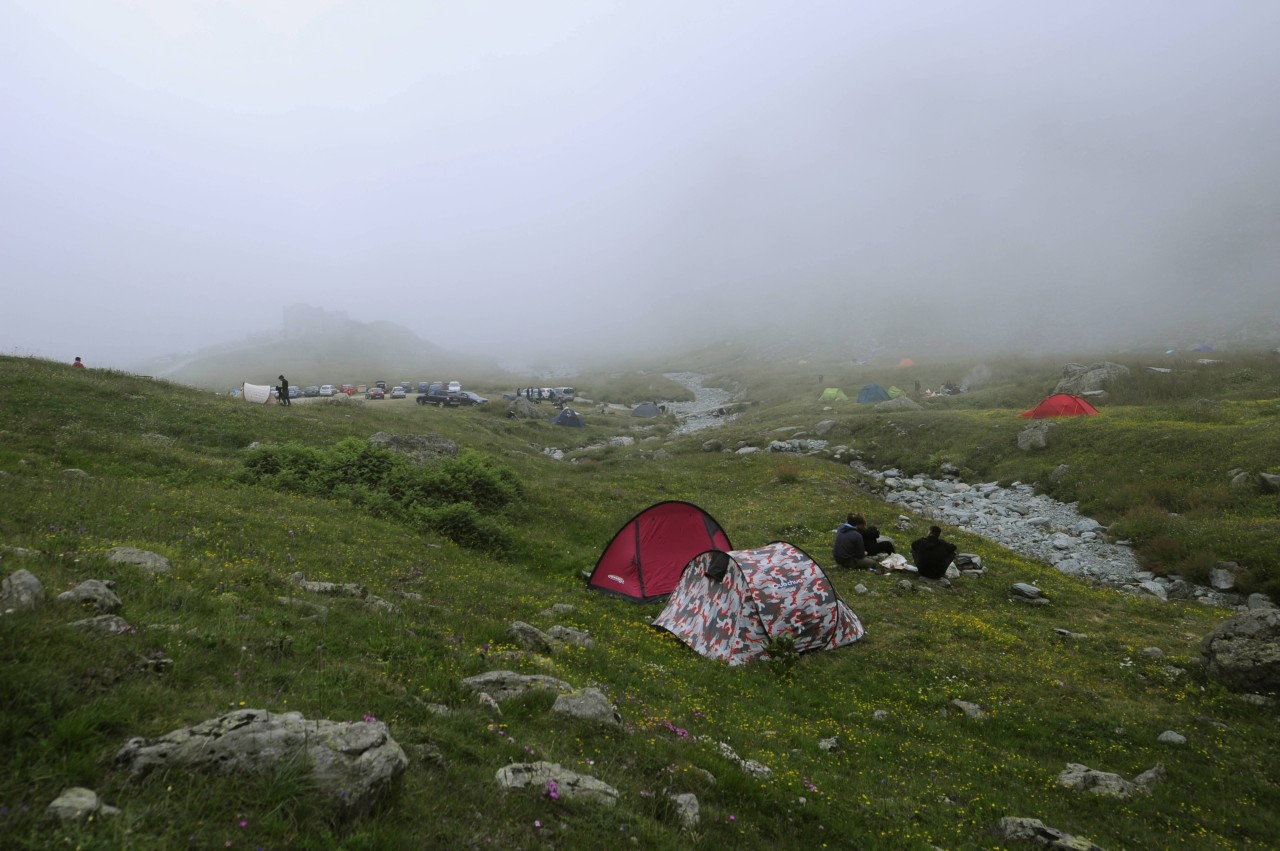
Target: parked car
{"type": "Point", "coordinates": [397, 392]}
{"type": "Point", "coordinates": [347, 388]}
{"type": "Point", "coordinates": [439, 394]}
{"type": "Point", "coordinates": [312, 390]}
{"type": "Point", "coordinates": [326, 390]}
{"type": "Point", "coordinates": [381, 385]}
{"type": "Point", "coordinates": [375, 393]}
{"type": "Point", "coordinates": [566, 394]}
{"type": "Point", "coordinates": [423, 386]}
{"type": "Point", "coordinates": [294, 391]}
{"type": "Point", "coordinates": [466, 397]}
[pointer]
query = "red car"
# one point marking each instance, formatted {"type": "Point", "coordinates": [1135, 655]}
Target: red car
{"type": "Point", "coordinates": [347, 388]}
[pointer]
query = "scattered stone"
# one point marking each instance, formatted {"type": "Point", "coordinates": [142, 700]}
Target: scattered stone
{"type": "Point", "coordinates": [1153, 653]}
{"type": "Point", "coordinates": [588, 704]}
{"type": "Point", "coordinates": [503, 685]}
{"type": "Point", "coordinates": [557, 610]}
{"type": "Point", "coordinates": [93, 594]}
{"type": "Point", "coordinates": [686, 806]}
{"type": "Point", "coordinates": [20, 591]}
{"type": "Point", "coordinates": [531, 638]}
{"type": "Point", "coordinates": [1065, 633]}
{"type": "Point", "coordinates": [880, 715]}
{"type": "Point", "coordinates": [829, 745]}
{"type": "Point", "coordinates": [859, 588]}
{"type": "Point", "coordinates": [75, 473]}
{"type": "Point", "coordinates": [103, 625]}
{"type": "Point", "coordinates": [568, 784]}
{"type": "Point", "coordinates": [148, 561]}
{"type": "Point", "coordinates": [1024, 593]}
{"type": "Point", "coordinates": [1035, 436]}
{"type": "Point", "coordinates": [1034, 830]}
{"type": "Point", "coordinates": [77, 804]}
{"type": "Point", "coordinates": [1223, 576]}
{"type": "Point", "coordinates": [573, 636]}
{"type": "Point", "coordinates": [1169, 737]}
{"type": "Point", "coordinates": [1259, 601]}
{"type": "Point", "coordinates": [1081, 778]}
{"type": "Point", "coordinates": [970, 709]}
{"type": "Point", "coordinates": [712, 446]}
{"type": "Point", "coordinates": [349, 764]}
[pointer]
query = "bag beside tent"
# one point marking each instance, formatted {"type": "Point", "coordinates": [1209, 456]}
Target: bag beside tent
{"type": "Point", "coordinates": [1060, 405]}
{"type": "Point", "coordinates": [644, 559]}
{"type": "Point", "coordinates": [732, 605]}
{"type": "Point", "coordinates": [833, 394]}
{"type": "Point", "coordinates": [873, 393]}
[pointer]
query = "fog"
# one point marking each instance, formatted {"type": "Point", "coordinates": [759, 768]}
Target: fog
{"type": "Point", "coordinates": [509, 177]}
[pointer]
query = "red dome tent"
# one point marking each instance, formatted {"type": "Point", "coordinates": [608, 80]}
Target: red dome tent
{"type": "Point", "coordinates": [1060, 405]}
{"type": "Point", "coordinates": [644, 559]}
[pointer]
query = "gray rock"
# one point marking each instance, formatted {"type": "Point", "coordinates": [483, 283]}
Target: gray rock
{"type": "Point", "coordinates": [557, 610]}
{"type": "Point", "coordinates": [1243, 653]}
{"type": "Point", "coordinates": [1034, 830]}
{"type": "Point", "coordinates": [747, 450]}
{"type": "Point", "coordinates": [1259, 601]}
{"type": "Point", "coordinates": [572, 635]}
{"type": "Point", "coordinates": [103, 625]}
{"type": "Point", "coordinates": [568, 784]}
{"type": "Point", "coordinates": [20, 591]}
{"type": "Point", "coordinates": [77, 804]}
{"type": "Point", "coordinates": [1078, 379]}
{"type": "Point", "coordinates": [1026, 591]}
{"type": "Point", "coordinates": [349, 764]}
{"type": "Point", "coordinates": [970, 709]}
{"type": "Point", "coordinates": [524, 409]}
{"type": "Point", "coordinates": [712, 446]}
{"type": "Point", "coordinates": [829, 745]}
{"type": "Point", "coordinates": [1270, 482]}
{"type": "Point", "coordinates": [148, 561]}
{"type": "Point", "coordinates": [824, 428]}
{"type": "Point", "coordinates": [1081, 778]}
{"type": "Point", "coordinates": [503, 685]}
{"type": "Point", "coordinates": [75, 473]}
{"type": "Point", "coordinates": [1034, 436]}
{"type": "Point", "coordinates": [622, 440]}
{"type": "Point", "coordinates": [686, 806]}
{"type": "Point", "coordinates": [902, 403]}
{"type": "Point", "coordinates": [1223, 576]}
{"type": "Point", "coordinates": [588, 704]}
{"type": "Point", "coordinates": [661, 455]}
{"type": "Point", "coordinates": [1169, 737]}
{"type": "Point", "coordinates": [531, 638]}
{"type": "Point", "coordinates": [93, 594]}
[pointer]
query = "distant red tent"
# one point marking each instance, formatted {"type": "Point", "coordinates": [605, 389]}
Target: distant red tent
{"type": "Point", "coordinates": [644, 560]}
{"type": "Point", "coordinates": [906, 362]}
{"type": "Point", "coordinates": [1060, 405]}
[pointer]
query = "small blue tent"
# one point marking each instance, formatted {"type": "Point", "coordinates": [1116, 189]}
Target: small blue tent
{"type": "Point", "coordinates": [873, 393]}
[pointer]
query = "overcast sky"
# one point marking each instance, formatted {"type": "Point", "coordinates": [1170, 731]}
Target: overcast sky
{"type": "Point", "coordinates": [174, 173]}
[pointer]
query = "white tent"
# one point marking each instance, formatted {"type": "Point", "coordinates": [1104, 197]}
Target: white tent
{"type": "Point", "coordinates": [256, 392]}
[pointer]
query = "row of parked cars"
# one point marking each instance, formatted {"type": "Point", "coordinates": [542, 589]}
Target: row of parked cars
{"type": "Point", "coordinates": [439, 393]}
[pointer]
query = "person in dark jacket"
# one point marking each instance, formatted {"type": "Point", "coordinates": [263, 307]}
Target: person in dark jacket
{"type": "Point", "coordinates": [284, 391]}
{"type": "Point", "coordinates": [871, 538]}
{"type": "Point", "coordinates": [849, 549]}
{"type": "Point", "coordinates": [932, 555]}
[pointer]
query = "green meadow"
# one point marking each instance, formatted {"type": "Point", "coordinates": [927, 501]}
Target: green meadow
{"type": "Point", "coordinates": [242, 497]}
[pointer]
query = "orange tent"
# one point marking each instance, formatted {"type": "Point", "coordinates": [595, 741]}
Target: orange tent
{"type": "Point", "coordinates": [906, 362]}
{"type": "Point", "coordinates": [1060, 405]}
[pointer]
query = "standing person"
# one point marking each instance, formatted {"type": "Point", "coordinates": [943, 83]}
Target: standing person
{"type": "Point", "coordinates": [848, 549]}
{"type": "Point", "coordinates": [284, 391]}
{"type": "Point", "coordinates": [932, 555]}
{"type": "Point", "coordinates": [78, 362]}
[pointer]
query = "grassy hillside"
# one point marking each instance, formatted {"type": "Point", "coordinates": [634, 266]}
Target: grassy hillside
{"type": "Point", "coordinates": [170, 470]}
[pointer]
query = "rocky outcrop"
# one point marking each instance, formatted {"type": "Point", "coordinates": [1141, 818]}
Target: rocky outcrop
{"type": "Point", "coordinates": [350, 764]}
{"type": "Point", "coordinates": [1078, 379]}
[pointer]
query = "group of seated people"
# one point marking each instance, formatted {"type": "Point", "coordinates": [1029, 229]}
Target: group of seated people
{"type": "Point", "coordinates": [858, 545]}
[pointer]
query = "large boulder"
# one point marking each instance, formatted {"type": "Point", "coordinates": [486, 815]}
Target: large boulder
{"type": "Point", "coordinates": [349, 763]}
{"type": "Point", "coordinates": [148, 561]}
{"type": "Point", "coordinates": [1078, 379]}
{"type": "Point", "coordinates": [556, 781]}
{"type": "Point", "coordinates": [20, 590]}
{"type": "Point", "coordinates": [1035, 435]}
{"type": "Point", "coordinates": [1243, 653]}
{"type": "Point", "coordinates": [523, 409]}
{"type": "Point", "coordinates": [93, 594]}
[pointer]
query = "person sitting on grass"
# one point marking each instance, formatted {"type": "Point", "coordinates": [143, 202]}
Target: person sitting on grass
{"type": "Point", "coordinates": [849, 549]}
{"type": "Point", "coordinates": [932, 555]}
{"type": "Point", "coordinates": [871, 539]}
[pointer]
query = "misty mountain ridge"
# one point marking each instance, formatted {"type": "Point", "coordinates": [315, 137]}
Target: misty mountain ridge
{"type": "Point", "coordinates": [315, 346]}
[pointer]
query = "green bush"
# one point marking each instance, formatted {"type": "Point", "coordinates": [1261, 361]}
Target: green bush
{"type": "Point", "coordinates": [465, 525]}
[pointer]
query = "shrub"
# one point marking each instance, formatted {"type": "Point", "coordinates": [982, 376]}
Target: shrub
{"type": "Point", "coordinates": [787, 474]}
{"type": "Point", "coordinates": [463, 524]}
